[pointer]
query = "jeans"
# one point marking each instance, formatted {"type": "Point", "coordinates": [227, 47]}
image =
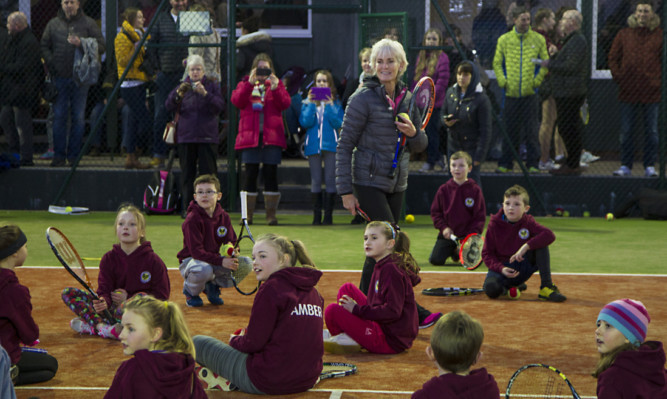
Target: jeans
{"type": "Point", "coordinates": [139, 120]}
{"type": "Point", "coordinates": [433, 155]}
{"type": "Point", "coordinates": [71, 98]}
{"type": "Point", "coordinates": [521, 124]}
{"type": "Point", "coordinates": [166, 82]}
{"type": "Point", "coordinates": [629, 114]}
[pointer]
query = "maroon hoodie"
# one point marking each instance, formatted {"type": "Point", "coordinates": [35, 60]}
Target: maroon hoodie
{"type": "Point", "coordinates": [16, 323]}
{"type": "Point", "coordinates": [283, 339]}
{"type": "Point", "coordinates": [477, 385]}
{"type": "Point", "coordinates": [140, 271]}
{"type": "Point", "coordinates": [636, 374]}
{"type": "Point", "coordinates": [156, 375]}
{"type": "Point", "coordinates": [204, 235]}
{"type": "Point", "coordinates": [459, 207]}
{"type": "Point", "coordinates": [391, 303]}
{"type": "Point", "coordinates": [503, 239]}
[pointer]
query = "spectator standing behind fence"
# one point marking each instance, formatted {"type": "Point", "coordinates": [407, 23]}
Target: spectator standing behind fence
{"type": "Point", "coordinates": [262, 98]}
{"type": "Point", "coordinates": [517, 75]}
{"type": "Point", "coordinates": [133, 88]}
{"type": "Point", "coordinates": [435, 64]}
{"type": "Point", "coordinates": [569, 79]}
{"type": "Point", "coordinates": [21, 72]}
{"type": "Point", "coordinates": [199, 102]}
{"type": "Point", "coordinates": [322, 119]}
{"type": "Point", "coordinates": [487, 27]}
{"type": "Point", "coordinates": [249, 45]}
{"type": "Point", "coordinates": [168, 63]}
{"type": "Point", "coordinates": [635, 66]}
{"type": "Point", "coordinates": [210, 55]}
{"type": "Point", "coordinates": [357, 83]}
{"type": "Point", "coordinates": [63, 36]}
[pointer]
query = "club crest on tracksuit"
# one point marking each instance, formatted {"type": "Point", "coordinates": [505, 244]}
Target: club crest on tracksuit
{"type": "Point", "coordinates": [377, 285]}
{"type": "Point", "coordinates": [222, 231]}
{"type": "Point", "coordinates": [145, 277]}
{"type": "Point", "coordinates": [469, 202]}
{"type": "Point", "coordinates": [524, 234]}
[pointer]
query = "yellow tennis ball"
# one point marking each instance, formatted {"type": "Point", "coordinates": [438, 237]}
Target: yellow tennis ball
{"type": "Point", "coordinates": [409, 218]}
{"type": "Point", "coordinates": [566, 214]}
{"type": "Point", "coordinates": [404, 116]}
{"type": "Point", "coordinates": [610, 216]}
{"type": "Point", "coordinates": [68, 209]}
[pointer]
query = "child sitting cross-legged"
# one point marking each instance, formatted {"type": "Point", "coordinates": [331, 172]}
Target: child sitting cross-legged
{"type": "Point", "coordinates": [455, 347]}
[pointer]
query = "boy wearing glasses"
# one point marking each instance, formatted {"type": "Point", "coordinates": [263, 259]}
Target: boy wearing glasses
{"type": "Point", "coordinates": [206, 228]}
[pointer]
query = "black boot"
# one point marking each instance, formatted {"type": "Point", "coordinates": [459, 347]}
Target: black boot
{"type": "Point", "coordinates": [317, 208]}
{"type": "Point", "coordinates": [329, 200]}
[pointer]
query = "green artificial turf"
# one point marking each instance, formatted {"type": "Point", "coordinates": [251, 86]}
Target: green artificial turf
{"type": "Point", "coordinates": [583, 245]}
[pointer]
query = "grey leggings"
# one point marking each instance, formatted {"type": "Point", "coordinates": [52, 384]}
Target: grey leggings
{"type": "Point", "coordinates": [317, 171]}
{"type": "Point", "coordinates": [225, 361]}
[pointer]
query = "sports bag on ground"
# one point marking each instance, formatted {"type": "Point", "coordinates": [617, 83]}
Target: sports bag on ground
{"type": "Point", "coordinates": [162, 195]}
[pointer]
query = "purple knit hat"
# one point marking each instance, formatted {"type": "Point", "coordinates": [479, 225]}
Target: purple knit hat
{"type": "Point", "coordinates": [628, 316]}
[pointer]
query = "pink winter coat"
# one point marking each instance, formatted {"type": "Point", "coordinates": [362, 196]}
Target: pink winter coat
{"type": "Point", "coordinates": [275, 102]}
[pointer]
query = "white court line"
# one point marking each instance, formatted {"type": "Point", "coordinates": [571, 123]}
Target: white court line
{"type": "Point", "coordinates": [428, 272]}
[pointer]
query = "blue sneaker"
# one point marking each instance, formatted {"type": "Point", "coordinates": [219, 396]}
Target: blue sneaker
{"type": "Point", "coordinates": [213, 293]}
{"type": "Point", "coordinates": [193, 301]}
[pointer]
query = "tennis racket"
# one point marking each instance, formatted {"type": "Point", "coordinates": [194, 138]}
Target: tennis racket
{"type": "Point", "coordinates": [470, 250]}
{"type": "Point", "coordinates": [363, 215]}
{"type": "Point", "coordinates": [243, 245]}
{"type": "Point", "coordinates": [539, 381]}
{"type": "Point", "coordinates": [451, 291]}
{"type": "Point", "coordinates": [70, 259]}
{"type": "Point", "coordinates": [337, 370]}
{"type": "Point", "coordinates": [423, 100]}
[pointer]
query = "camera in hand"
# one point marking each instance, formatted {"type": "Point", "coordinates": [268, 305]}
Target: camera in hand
{"type": "Point", "coordinates": [263, 72]}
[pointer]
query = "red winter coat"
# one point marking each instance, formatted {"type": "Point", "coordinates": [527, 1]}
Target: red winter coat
{"type": "Point", "coordinates": [275, 102]}
{"type": "Point", "coordinates": [634, 61]}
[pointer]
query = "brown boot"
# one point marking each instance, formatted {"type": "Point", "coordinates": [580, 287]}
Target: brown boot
{"type": "Point", "coordinates": [132, 162]}
{"type": "Point", "coordinates": [271, 200]}
{"type": "Point", "coordinates": [251, 201]}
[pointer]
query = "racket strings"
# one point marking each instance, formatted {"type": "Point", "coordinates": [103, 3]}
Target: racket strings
{"type": "Point", "coordinates": [539, 382]}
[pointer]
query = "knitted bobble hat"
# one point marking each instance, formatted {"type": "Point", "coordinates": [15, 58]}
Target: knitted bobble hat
{"type": "Point", "coordinates": [628, 316]}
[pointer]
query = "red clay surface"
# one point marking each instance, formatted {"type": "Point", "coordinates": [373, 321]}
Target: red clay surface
{"type": "Point", "coordinates": [516, 333]}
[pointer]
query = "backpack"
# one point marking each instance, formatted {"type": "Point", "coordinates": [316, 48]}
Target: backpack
{"type": "Point", "coordinates": [162, 196]}
{"type": "Point", "coordinates": [650, 203]}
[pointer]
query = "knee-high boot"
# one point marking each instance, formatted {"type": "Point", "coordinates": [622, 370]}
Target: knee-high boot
{"type": "Point", "coordinates": [251, 202]}
{"type": "Point", "coordinates": [329, 200]}
{"type": "Point", "coordinates": [271, 201]}
{"type": "Point", "coordinates": [317, 208]}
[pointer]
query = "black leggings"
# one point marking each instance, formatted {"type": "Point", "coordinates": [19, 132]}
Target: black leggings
{"type": "Point", "coordinates": [36, 367]}
{"type": "Point", "coordinates": [269, 175]}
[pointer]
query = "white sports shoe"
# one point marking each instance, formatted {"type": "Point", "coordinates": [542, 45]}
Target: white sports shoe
{"type": "Point", "coordinates": [211, 380]}
{"type": "Point", "coordinates": [623, 171]}
{"type": "Point", "coordinates": [548, 165]}
{"type": "Point", "coordinates": [82, 327]}
{"type": "Point", "coordinates": [341, 344]}
{"type": "Point", "coordinates": [650, 172]}
{"type": "Point", "coordinates": [587, 157]}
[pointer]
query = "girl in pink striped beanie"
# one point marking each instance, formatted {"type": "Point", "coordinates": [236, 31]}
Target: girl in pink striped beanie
{"type": "Point", "coordinates": [629, 366]}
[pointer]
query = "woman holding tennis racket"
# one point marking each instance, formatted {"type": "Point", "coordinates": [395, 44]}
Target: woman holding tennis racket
{"type": "Point", "coordinates": [280, 351]}
{"type": "Point", "coordinates": [629, 366]}
{"type": "Point", "coordinates": [17, 327]}
{"type": "Point", "coordinates": [130, 268]}
{"type": "Point", "coordinates": [375, 118]}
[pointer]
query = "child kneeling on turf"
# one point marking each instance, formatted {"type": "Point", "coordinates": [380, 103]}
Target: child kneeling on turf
{"type": "Point", "coordinates": [280, 351]}
{"type": "Point", "coordinates": [17, 327]}
{"type": "Point", "coordinates": [458, 208]}
{"type": "Point", "coordinates": [386, 321]}
{"type": "Point", "coordinates": [455, 346]}
{"type": "Point", "coordinates": [205, 230]}
{"type": "Point", "coordinates": [163, 366]}
{"type": "Point", "coordinates": [516, 246]}
{"type": "Point", "coordinates": [629, 366]}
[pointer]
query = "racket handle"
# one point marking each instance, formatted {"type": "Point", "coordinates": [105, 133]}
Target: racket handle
{"type": "Point", "coordinates": [244, 204]}
{"type": "Point", "coordinates": [453, 237]}
{"type": "Point", "coordinates": [107, 315]}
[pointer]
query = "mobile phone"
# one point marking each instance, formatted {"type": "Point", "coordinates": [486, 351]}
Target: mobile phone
{"type": "Point", "coordinates": [321, 93]}
{"type": "Point", "coordinates": [263, 72]}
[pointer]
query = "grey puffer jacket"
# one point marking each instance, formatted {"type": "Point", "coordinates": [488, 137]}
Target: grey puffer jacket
{"type": "Point", "coordinates": [168, 59]}
{"type": "Point", "coordinates": [368, 141]}
{"type": "Point", "coordinates": [57, 52]}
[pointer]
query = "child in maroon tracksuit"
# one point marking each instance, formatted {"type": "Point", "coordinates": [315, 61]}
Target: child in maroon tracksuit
{"type": "Point", "coordinates": [163, 366]}
{"type": "Point", "coordinates": [455, 347]}
{"type": "Point", "coordinates": [280, 351]}
{"type": "Point", "coordinates": [516, 246]}
{"type": "Point", "coordinates": [385, 321]}
{"type": "Point", "coordinates": [458, 209]}
{"type": "Point", "coordinates": [205, 229]}
{"type": "Point", "coordinates": [130, 268]}
{"type": "Point", "coordinates": [17, 327]}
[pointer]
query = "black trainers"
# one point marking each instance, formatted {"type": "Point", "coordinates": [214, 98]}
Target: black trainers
{"type": "Point", "coordinates": [522, 287]}
{"type": "Point", "coordinates": [550, 293]}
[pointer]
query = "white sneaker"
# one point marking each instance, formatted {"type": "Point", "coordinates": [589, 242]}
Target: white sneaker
{"type": "Point", "coordinates": [587, 157]}
{"type": "Point", "coordinates": [81, 326]}
{"type": "Point", "coordinates": [341, 344]}
{"type": "Point", "coordinates": [426, 167]}
{"type": "Point", "coordinates": [325, 334]}
{"type": "Point", "coordinates": [650, 172]}
{"type": "Point", "coordinates": [548, 165]}
{"type": "Point", "coordinates": [623, 171]}
{"type": "Point", "coordinates": [560, 157]}
{"type": "Point", "coordinates": [210, 380]}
